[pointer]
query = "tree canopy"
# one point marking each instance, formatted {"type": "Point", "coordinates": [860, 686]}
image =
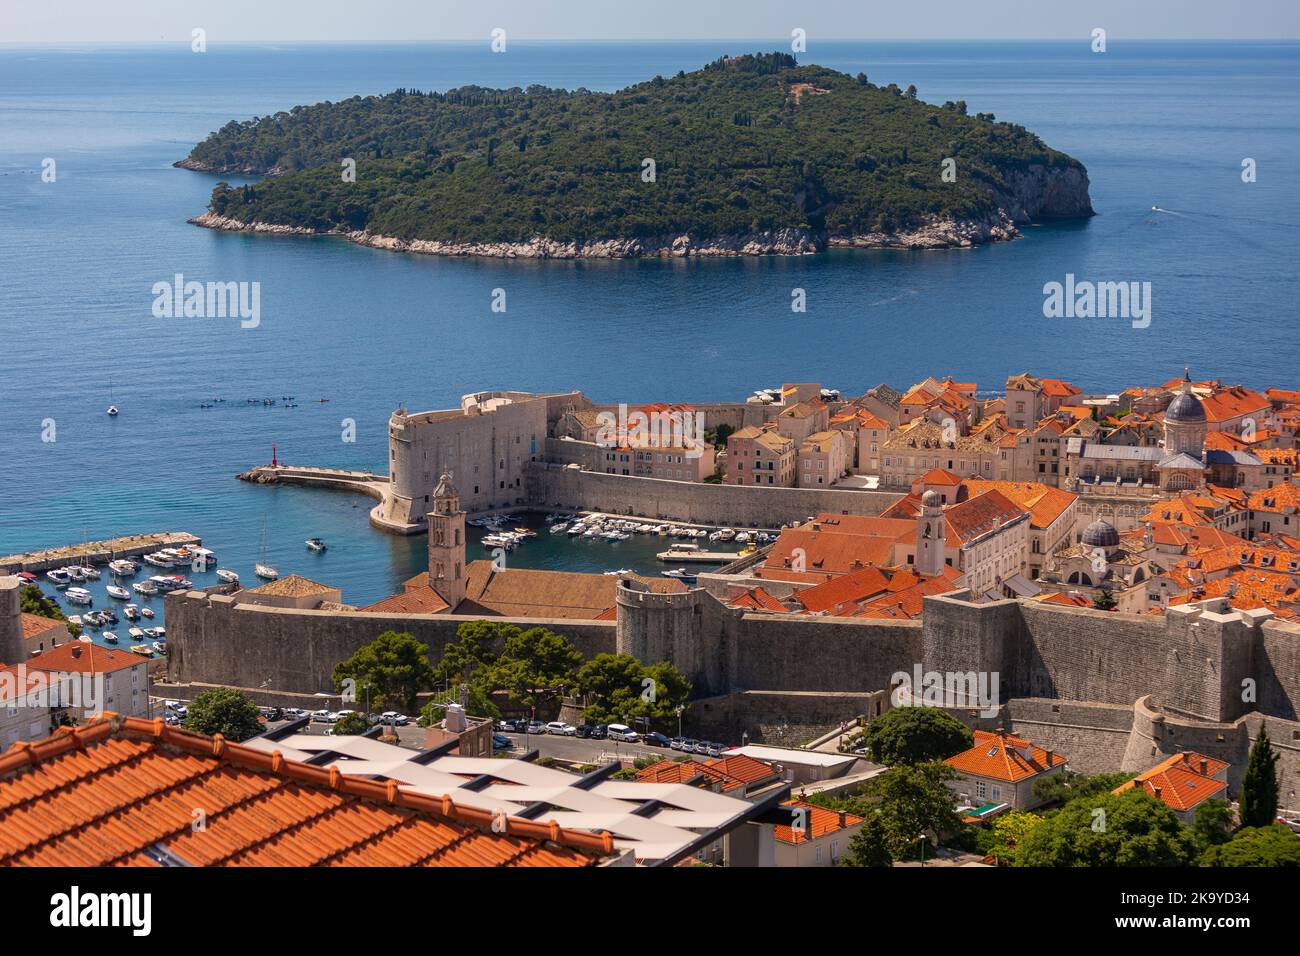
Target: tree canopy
{"type": "Point", "coordinates": [1125, 829]}
{"type": "Point", "coordinates": [393, 668]}
{"type": "Point", "coordinates": [911, 735]}
{"type": "Point", "coordinates": [223, 711]}
{"type": "Point", "coordinates": [1273, 845]}
{"type": "Point", "coordinates": [1259, 784]}
{"type": "Point", "coordinates": [620, 688]}
{"type": "Point", "coordinates": [747, 143]}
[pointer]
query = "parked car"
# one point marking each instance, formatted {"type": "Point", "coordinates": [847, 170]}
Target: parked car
{"type": "Point", "coordinates": [560, 729]}
{"type": "Point", "coordinates": [656, 739]}
{"type": "Point", "coordinates": [623, 732]}
{"type": "Point", "coordinates": [394, 718]}
{"type": "Point", "coordinates": [713, 749]}
{"type": "Point", "coordinates": [324, 717]}
{"type": "Point", "coordinates": [676, 743]}
{"type": "Point", "coordinates": [534, 727]}
{"type": "Point", "coordinates": [272, 713]}
{"type": "Point", "coordinates": [688, 745]}
{"type": "Point", "coordinates": [294, 712]}
{"type": "Point", "coordinates": [501, 742]}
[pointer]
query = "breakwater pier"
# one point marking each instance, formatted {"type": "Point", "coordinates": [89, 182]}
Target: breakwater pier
{"type": "Point", "coordinates": [96, 552]}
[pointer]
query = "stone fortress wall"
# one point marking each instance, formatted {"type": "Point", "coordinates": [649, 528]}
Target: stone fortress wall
{"type": "Point", "coordinates": [1108, 690]}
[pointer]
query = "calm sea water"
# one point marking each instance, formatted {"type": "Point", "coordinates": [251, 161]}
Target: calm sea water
{"type": "Point", "coordinates": [1155, 123]}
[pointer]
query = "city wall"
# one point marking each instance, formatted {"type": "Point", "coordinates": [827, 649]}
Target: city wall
{"type": "Point", "coordinates": [570, 489]}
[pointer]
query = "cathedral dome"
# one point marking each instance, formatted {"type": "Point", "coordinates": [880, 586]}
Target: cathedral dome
{"type": "Point", "coordinates": [1101, 534]}
{"type": "Point", "coordinates": [1186, 409]}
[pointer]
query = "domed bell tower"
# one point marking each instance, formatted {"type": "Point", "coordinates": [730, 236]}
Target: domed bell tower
{"type": "Point", "coordinates": [447, 543]}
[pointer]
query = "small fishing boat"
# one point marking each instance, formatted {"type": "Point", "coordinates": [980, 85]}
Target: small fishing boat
{"type": "Point", "coordinates": [680, 574]}
{"type": "Point", "coordinates": [58, 577]}
{"type": "Point", "coordinates": [123, 568]}
{"type": "Point", "coordinates": [147, 611]}
{"type": "Point", "coordinates": [109, 637]}
{"type": "Point", "coordinates": [147, 588]}
{"type": "Point", "coordinates": [158, 560]}
{"type": "Point", "coordinates": [74, 619]}
{"type": "Point", "coordinates": [315, 545]}
{"type": "Point", "coordinates": [136, 634]}
{"type": "Point", "coordinates": [160, 646]}
{"type": "Point", "coordinates": [726, 534]}
{"type": "Point", "coordinates": [74, 573]}
{"type": "Point", "coordinates": [132, 612]}
{"type": "Point", "coordinates": [78, 596]}
{"type": "Point", "coordinates": [559, 527]}
{"type": "Point", "coordinates": [230, 577]}
{"type": "Point", "coordinates": [89, 573]}
{"type": "Point", "coordinates": [118, 593]}
{"type": "Point", "coordinates": [143, 649]}
{"type": "Point", "coordinates": [112, 411]}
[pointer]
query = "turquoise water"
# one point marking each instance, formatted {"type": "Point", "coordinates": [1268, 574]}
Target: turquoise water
{"type": "Point", "coordinates": [1156, 123]}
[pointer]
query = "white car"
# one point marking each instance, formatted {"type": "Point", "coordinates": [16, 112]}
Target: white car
{"type": "Point", "coordinates": [560, 729]}
{"type": "Point", "coordinates": [393, 717]}
{"type": "Point", "coordinates": [622, 732]}
{"type": "Point", "coordinates": [323, 717]}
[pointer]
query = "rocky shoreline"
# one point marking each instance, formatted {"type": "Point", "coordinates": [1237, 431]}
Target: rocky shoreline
{"type": "Point", "coordinates": [938, 234]}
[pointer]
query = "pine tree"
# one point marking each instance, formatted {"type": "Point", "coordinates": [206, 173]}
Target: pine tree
{"type": "Point", "coordinates": [1259, 784]}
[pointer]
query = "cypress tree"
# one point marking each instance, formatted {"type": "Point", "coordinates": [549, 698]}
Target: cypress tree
{"type": "Point", "coordinates": [1259, 784]}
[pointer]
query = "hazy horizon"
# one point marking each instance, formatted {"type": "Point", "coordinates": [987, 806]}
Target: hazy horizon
{"type": "Point", "coordinates": [412, 21]}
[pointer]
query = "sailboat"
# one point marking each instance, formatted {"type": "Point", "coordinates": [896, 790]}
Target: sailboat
{"type": "Point", "coordinates": [112, 409]}
{"type": "Point", "coordinates": [262, 569]}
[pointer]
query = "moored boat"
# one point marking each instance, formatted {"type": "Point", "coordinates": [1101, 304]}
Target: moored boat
{"type": "Point", "coordinates": [78, 596]}
{"type": "Point", "coordinates": [119, 593]}
{"type": "Point", "coordinates": [230, 577]}
{"type": "Point", "coordinates": [316, 545]}
{"type": "Point", "coordinates": [266, 572]}
{"type": "Point", "coordinates": [58, 577]}
{"type": "Point", "coordinates": [147, 611]}
{"type": "Point", "coordinates": [123, 568]}
{"type": "Point", "coordinates": [147, 588]}
{"type": "Point", "coordinates": [109, 637]}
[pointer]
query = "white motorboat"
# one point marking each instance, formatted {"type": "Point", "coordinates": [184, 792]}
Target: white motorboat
{"type": "Point", "coordinates": [681, 574]}
{"type": "Point", "coordinates": [742, 537]}
{"type": "Point", "coordinates": [123, 568]}
{"type": "Point", "coordinates": [230, 577]}
{"type": "Point", "coordinates": [266, 572]}
{"type": "Point", "coordinates": [89, 573]}
{"type": "Point", "coordinates": [119, 593]}
{"type": "Point", "coordinates": [147, 611]}
{"type": "Point", "coordinates": [74, 619]}
{"type": "Point", "coordinates": [158, 560]}
{"type": "Point", "coordinates": [147, 588]}
{"type": "Point", "coordinates": [315, 545]}
{"type": "Point", "coordinates": [559, 527]}
{"type": "Point", "coordinates": [109, 637]}
{"type": "Point", "coordinates": [726, 534]}
{"type": "Point", "coordinates": [136, 634]}
{"type": "Point", "coordinates": [75, 573]}
{"type": "Point", "coordinates": [620, 572]}
{"type": "Point", "coordinates": [78, 596]}
{"type": "Point", "coordinates": [58, 577]}
{"type": "Point", "coordinates": [132, 612]}
{"type": "Point", "coordinates": [112, 411]}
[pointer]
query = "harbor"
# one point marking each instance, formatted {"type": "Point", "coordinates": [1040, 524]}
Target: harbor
{"type": "Point", "coordinates": [97, 552]}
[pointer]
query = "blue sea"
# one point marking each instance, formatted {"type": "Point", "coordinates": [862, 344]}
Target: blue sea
{"type": "Point", "coordinates": [1165, 124]}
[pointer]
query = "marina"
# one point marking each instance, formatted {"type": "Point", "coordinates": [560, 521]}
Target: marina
{"type": "Point", "coordinates": [97, 552]}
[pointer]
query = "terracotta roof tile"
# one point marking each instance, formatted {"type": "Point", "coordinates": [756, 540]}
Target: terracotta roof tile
{"type": "Point", "coordinates": [819, 820]}
{"type": "Point", "coordinates": [1003, 757]}
{"type": "Point", "coordinates": [119, 792]}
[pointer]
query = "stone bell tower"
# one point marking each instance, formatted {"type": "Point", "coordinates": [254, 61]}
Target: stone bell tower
{"type": "Point", "coordinates": [447, 543]}
{"type": "Point", "coordinates": [931, 535]}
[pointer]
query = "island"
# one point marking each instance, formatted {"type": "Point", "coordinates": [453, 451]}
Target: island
{"type": "Point", "coordinates": [750, 155]}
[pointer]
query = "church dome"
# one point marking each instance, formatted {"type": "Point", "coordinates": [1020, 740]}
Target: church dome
{"type": "Point", "coordinates": [931, 499]}
{"type": "Point", "coordinates": [1186, 408]}
{"type": "Point", "coordinates": [1101, 534]}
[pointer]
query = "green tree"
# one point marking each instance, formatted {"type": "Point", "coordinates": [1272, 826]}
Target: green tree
{"type": "Point", "coordinates": [32, 600]}
{"type": "Point", "coordinates": [1212, 823]}
{"type": "Point", "coordinates": [536, 667]}
{"type": "Point", "coordinates": [1064, 787]}
{"type": "Point", "coordinates": [1274, 845]}
{"type": "Point", "coordinates": [1010, 830]}
{"type": "Point", "coordinates": [869, 846]}
{"type": "Point", "coordinates": [1105, 601]}
{"type": "Point", "coordinates": [1131, 829]}
{"type": "Point", "coordinates": [223, 711]}
{"type": "Point", "coordinates": [619, 687]}
{"type": "Point", "coordinates": [473, 652]}
{"type": "Point", "coordinates": [394, 667]}
{"type": "Point", "coordinates": [350, 724]}
{"type": "Point", "coordinates": [912, 735]}
{"type": "Point", "coordinates": [912, 799]}
{"type": "Point", "coordinates": [1259, 784]}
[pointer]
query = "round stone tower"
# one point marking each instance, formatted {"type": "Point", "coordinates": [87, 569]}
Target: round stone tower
{"type": "Point", "coordinates": [655, 627]}
{"type": "Point", "coordinates": [12, 650]}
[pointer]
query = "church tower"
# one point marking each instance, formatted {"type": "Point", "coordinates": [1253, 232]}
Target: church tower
{"type": "Point", "coordinates": [447, 543]}
{"type": "Point", "coordinates": [931, 535]}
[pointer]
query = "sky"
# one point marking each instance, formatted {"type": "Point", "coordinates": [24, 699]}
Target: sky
{"type": "Point", "coordinates": [377, 21]}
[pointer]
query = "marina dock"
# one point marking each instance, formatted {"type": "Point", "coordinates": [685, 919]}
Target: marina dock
{"type": "Point", "coordinates": [363, 482]}
{"type": "Point", "coordinates": [697, 557]}
{"type": "Point", "coordinates": [96, 552]}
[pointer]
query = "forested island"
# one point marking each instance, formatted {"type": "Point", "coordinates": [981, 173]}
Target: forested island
{"type": "Point", "coordinates": [751, 154]}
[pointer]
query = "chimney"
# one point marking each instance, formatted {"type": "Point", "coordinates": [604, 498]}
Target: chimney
{"type": "Point", "coordinates": [76, 651]}
{"type": "Point", "coordinates": [1205, 767]}
{"type": "Point", "coordinates": [844, 819]}
{"type": "Point", "coordinates": [1050, 755]}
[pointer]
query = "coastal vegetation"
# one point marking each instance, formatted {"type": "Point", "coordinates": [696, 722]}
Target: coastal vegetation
{"type": "Point", "coordinates": [746, 144]}
{"type": "Point", "coordinates": [32, 600]}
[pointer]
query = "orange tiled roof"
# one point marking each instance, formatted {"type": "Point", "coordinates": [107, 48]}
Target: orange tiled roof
{"type": "Point", "coordinates": [82, 657]}
{"type": "Point", "coordinates": [1181, 782]}
{"type": "Point", "coordinates": [1003, 757]}
{"type": "Point", "coordinates": [686, 771]}
{"type": "Point", "coordinates": [819, 820]}
{"type": "Point", "coordinates": [1285, 495]}
{"type": "Point", "coordinates": [34, 624]}
{"type": "Point", "coordinates": [121, 792]}
{"type": "Point", "coordinates": [418, 600]}
{"type": "Point", "coordinates": [1043, 502]}
{"type": "Point", "coordinates": [940, 476]}
{"type": "Point", "coordinates": [854, 586]}
{"type": "Point", "coordinates": [1233, 402]}
{"type": "Point", "coordinates": [744, 768]}
{"type": "Point", "coordinates": [757, 599]}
